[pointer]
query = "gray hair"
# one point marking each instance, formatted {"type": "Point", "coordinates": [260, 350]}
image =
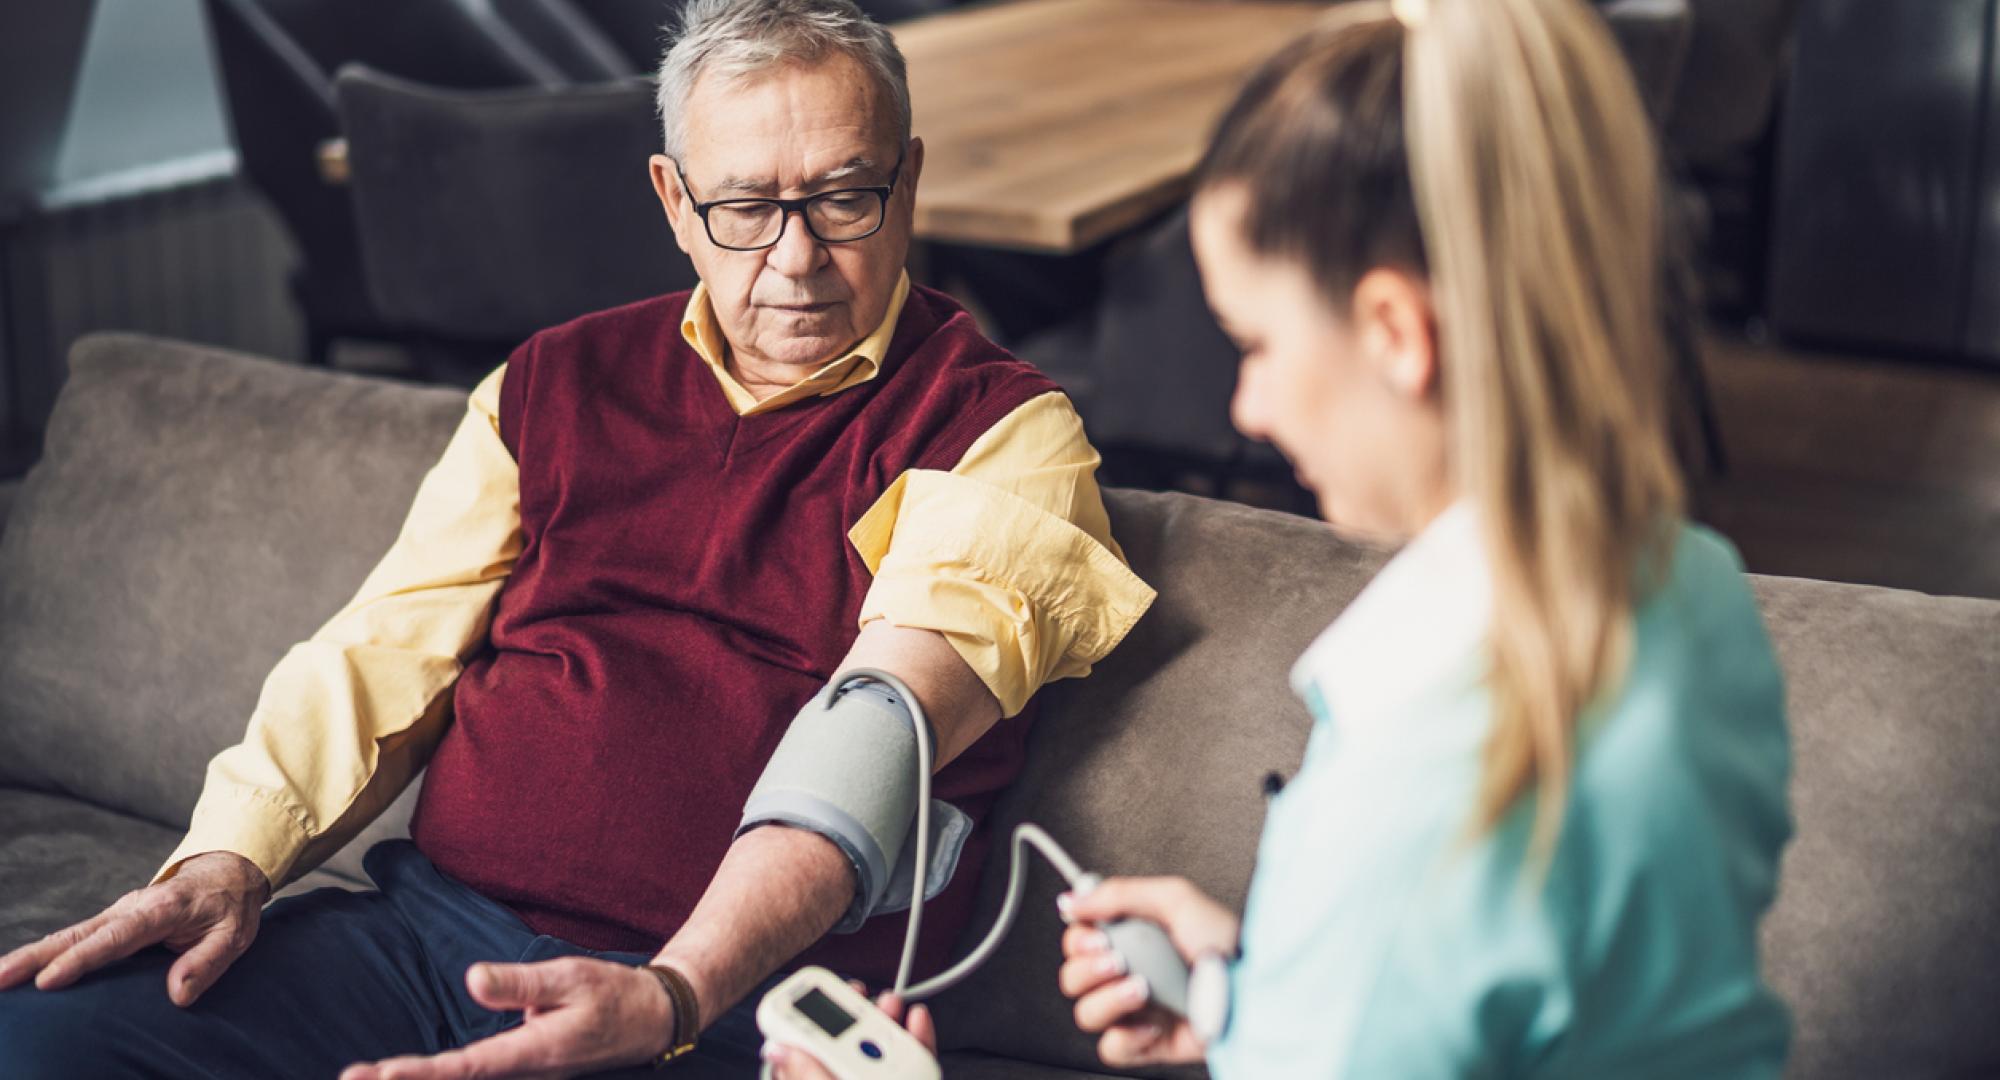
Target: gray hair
{"type": "Point", "coordinates": [732, 38]}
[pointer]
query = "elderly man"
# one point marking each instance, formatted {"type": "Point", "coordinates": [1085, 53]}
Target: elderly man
{"type": "Point", "coordinates": [645, 552]}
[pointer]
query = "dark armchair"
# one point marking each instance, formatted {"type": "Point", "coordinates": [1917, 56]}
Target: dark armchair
{"type": "Point", "coordinates": [486, 216]}
{"type": "Point", "coordinates": [277, 58]}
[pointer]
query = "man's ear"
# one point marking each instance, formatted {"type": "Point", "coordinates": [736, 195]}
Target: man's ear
{"type": "Point", "coordinates": [1397, 331]}
{"type": "Point", "coordinates": [913, 169]}
{"type": "Point", "coordinates": [673, 198]}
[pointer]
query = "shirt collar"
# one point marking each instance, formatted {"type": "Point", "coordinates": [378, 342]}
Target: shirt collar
{"type": "Point", "coordinates": [1419, 627]}
{"type": "Point", "coordinates": [703, 333]}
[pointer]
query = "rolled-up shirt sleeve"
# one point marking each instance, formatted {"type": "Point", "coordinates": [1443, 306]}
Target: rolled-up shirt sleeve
{"type": "Point", "coordinates": [350, 715]}
{"type": "Point", "coordinates": [1009, 555]}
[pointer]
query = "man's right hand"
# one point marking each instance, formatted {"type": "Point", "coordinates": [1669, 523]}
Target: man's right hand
{"type": "Point", "coordinates": [207, 912]}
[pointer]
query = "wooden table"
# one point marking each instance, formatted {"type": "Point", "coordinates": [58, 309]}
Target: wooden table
{"type": "Point", "coordinates": [1052, 124]}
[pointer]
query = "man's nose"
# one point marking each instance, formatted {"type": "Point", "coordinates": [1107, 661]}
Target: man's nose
{"type": "Point", "coordinates": [798, 253]}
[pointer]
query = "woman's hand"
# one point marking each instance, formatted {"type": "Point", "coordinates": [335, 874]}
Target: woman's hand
{"type": "Point", "coordinates": [1110, 1001]}
{"type": "Point", "coordinates": [790, 1063]}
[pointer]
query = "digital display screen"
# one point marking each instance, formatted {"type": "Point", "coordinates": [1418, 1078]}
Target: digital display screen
{"type": "Point", "coordinates": [821, 1010]}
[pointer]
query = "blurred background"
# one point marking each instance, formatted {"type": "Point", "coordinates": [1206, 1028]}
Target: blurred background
{"type": "Point", "coordinates": [407, 188]}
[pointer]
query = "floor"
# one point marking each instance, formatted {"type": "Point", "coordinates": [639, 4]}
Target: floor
{"type": "Point", "coordinates": [1859, 469]}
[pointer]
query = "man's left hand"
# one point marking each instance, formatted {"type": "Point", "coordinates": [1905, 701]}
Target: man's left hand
{"type": "Point", "coordinates": [582, 1016]}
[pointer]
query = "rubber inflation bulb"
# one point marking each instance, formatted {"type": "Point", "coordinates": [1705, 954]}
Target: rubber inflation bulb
{"type": "Point", "coordinates": [1149, 953]}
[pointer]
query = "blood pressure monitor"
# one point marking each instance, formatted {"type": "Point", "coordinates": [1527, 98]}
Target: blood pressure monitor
{"type": "Point", "coordinates": [816, 1012]}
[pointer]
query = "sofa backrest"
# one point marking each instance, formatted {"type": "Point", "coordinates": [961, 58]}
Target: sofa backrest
{"type": "Point", "coordinates": [1885, 939]}
{"type": "Point", "coordinates": [194, 513]}
{"type": "Point", "coordinates": [1155, 763]}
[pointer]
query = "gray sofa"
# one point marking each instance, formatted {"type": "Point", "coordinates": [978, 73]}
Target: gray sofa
{"type": "Point", "coordinates": [197, 511]}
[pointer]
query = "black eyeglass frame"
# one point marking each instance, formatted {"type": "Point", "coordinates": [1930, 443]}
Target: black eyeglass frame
{"type": "Point", "coordinates": [788, 207]}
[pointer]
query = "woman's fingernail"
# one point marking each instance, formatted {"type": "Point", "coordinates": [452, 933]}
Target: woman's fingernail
{"type": "Point", "coordinates": [1150, 1034]}
{"type": "Point", "coordinates": [1137, 990]}
{"type": "Point", "coordinates": [771, 1052]}
{"type": "Point", "coordinates": [1066, 907]}
{"type": "Point", "coordinates": [1111, 964]}
{"type": "Point", "coordinates": [1103, 941]}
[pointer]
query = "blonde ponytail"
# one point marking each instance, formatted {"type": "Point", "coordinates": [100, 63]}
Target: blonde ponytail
{"type": "Point", "coordinates": [1536, 181]}
{"type": "Point", "coordinates": [1511, 161]}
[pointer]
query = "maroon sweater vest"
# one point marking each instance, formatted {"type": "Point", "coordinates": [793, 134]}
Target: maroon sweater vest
{"type": "Point", "coordinates": [685, 586]}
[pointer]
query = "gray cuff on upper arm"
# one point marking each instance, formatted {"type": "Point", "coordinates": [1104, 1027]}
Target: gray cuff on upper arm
{"type": "Point", "coordinates": [950, 828]}
{"type": "Point", "coordinates": [846, 770]}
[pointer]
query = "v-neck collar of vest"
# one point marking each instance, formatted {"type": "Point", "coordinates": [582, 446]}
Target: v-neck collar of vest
{"type": "Point", "coordinates": [733, 433]}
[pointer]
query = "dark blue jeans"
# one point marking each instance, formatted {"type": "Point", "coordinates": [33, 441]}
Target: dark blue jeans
{"type": "Point", "coordinates": [334, 977]}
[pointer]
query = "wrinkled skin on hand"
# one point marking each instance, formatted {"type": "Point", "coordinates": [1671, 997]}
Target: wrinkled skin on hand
{"type": "Point", "coordinates": [208, 912]}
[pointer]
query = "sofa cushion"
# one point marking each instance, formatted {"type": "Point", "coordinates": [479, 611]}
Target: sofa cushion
{"type": "Point", "coordinates": [64, 860]}
{"type": "Point", "coordinates": [1885, 939]}
{"type": "Point", "coordinates": [1155, 764]}
{"type": "Point", "coordinates": [195, 512]}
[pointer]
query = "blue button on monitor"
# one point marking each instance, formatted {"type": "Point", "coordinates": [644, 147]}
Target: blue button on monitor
{"type": "Point", "coordinates": [869, 1048]}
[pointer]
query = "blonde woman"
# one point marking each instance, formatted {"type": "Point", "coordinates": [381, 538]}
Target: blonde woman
{"type": "Point", "coordinates": [1543, 802]}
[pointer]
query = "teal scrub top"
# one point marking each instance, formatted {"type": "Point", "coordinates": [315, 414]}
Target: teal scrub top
{"type": "Point", "coordinates": [1383, 939]}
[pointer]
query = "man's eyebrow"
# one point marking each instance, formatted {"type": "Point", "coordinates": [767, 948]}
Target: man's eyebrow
{"type": "Point", "coordinates": [833, 176]}
{"type": "Point", "coordinates": [737, 186]}
{"type": "Point", "coordinates": [741, 185]}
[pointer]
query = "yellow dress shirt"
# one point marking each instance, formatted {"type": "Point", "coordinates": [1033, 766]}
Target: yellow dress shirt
{"type": "Point", "coordinates": [1009, 556]}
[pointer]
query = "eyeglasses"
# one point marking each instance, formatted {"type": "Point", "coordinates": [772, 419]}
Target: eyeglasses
{"type": "Point", "coordinates": [840, 216]}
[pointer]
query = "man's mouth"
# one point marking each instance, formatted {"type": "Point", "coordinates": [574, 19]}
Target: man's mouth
{"type": "Point", "coordinates": [804, 309]}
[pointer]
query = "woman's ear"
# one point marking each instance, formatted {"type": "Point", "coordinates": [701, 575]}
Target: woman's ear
{"type": "Point", "coordinates": [1394, 323]}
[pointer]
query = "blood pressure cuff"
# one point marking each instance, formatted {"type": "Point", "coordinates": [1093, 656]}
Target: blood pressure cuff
{"type": "Point", "coordinates": [847, 769]}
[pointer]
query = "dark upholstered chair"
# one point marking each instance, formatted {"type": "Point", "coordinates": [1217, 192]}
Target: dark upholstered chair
{"type": "Point", "coordinates": [277, 58]}
{"type": "Point", "coordinates": [488, 216]}
{"type": "Point", "coordinates": [1885, 236]}
{"type": "Point", "coordinates": [1654, 35]}
{"type": "Point", "coordinates": [1736, 65]}
{"type": "Point", "coordinates": [1149, 368]}
{"type": "Point", "coordinates": [1723, 129]}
